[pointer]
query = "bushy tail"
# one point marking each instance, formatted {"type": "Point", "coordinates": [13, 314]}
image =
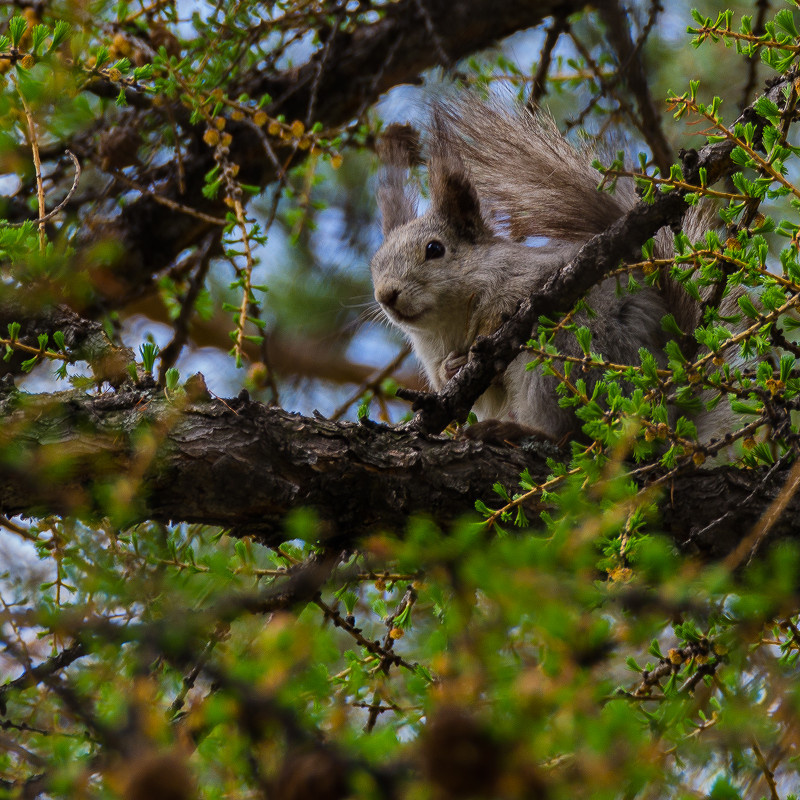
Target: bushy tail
{"type": "Point", "coordinates": [530, 179]}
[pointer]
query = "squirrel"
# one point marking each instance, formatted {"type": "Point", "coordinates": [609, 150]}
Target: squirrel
{"type": "Point", "coordinates": [498, 176]}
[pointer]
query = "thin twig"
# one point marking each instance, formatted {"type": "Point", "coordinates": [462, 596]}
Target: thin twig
{"type": "Point", "coordinates": [769, 777]}
{"type": "Point", "coordinates": [751, 542]}
{"type": "Point", "coordinates": [169, 355]}
{"type": "Point", "coordinates": [47, 217]}
{"type": "Point", "coordinates": [539, 84]}
{"type": "Point", "coordinates": [373, 383]}
{"type": "Point", "coordinates": [631, 68]}
{"type": "Point", "coordinates": [190, 678]}
{"type": "Point", "coordinates": [754, 60]}
{"type": "Point", "coordinates": [165, 201]}
{"type": "Point", "coordinates": [34, 142]}
{"type": "Point", "coordinates": [437, 40]}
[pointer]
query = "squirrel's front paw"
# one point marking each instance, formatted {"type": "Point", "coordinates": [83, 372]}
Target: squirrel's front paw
{"type": "Point", "coordinates": [452, 364]}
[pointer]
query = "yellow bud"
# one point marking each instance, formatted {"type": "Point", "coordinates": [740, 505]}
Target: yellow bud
{"type": "Point", "coordinates": [380, 585]}
{"type": "Point", "coordinates": [649, 435]}
{"type": "Point", "coordinates": [28, 62]}
{"type": "Point", "coordinates": [718, 361]}
{"type": "Point", "coordinates": [260, 118]}
{"type": "Point", "coordinates": [211, 137]}
{"type": "Point", "coordinates": [749, 443]}
{"type": "Point", "coordinates": [396, 633]}
{"type": "Point", "coordinates": [775, 386]}
{"type": "Point", "coordinates": [274, 128]}
{"type": "Point", "coordinates": [698, 457]}
{"type": "Point", "coordinates": [336, 161]}
{"type": "Point", "coordinates": [258, 374]}
{"type": "Point", "coordinates": [304, 144]}
{"type": "Point", "coordinates": [720, 649]}
{"type": "Point", "coordinates": [230, 202]}
{"type": "Point", "coordinates": [237, 115]}
{"type": "Point", "coordinates": [620, 574]}
{"type": "Point", "coordinates": [732, 243]}
{"type": "Point", "coordinates": [122, 45]}
{"type": "Point", "coordinates": [114, 74]}
{"type": "Point", "coordinates": [219, 123]}
{"type": "Point", "coordinates": [234, 168]}
{"type": "Point", "coordinates": [701, 658]}
{"type": "Point", "coordinates": [226, 139]}
{"type": "Point", "coordinates": [298, 129]}
{"type": "Point", "coordinates": [675, 656]}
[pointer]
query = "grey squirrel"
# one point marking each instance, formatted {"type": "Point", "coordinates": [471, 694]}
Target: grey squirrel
{"type": "Point", "coordinates": [497, 176]}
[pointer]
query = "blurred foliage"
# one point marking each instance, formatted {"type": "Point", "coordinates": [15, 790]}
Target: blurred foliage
{"type": "Point", "coordinates": [574, 654]}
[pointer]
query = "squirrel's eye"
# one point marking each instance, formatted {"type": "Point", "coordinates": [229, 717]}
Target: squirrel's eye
{"type": "Point", "coordinates": [434, 249]}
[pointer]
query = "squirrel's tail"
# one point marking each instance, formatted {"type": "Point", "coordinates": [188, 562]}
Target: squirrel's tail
{"type": "Point", "coordinates": [530, 179]}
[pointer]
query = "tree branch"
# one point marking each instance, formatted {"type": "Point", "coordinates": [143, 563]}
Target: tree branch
{"type": "Point", "coordinates": [244, 466]}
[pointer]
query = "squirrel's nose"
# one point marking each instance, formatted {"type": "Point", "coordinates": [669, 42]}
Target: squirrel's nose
{"type": "Point", "coordinates": [387, 296]}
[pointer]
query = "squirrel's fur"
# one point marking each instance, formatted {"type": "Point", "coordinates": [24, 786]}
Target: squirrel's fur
{"type": "Point", "coordinates": [498, 176]}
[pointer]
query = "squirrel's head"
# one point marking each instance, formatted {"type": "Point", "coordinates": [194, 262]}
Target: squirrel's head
{"type": "Point", "coordinates": [423, 266]}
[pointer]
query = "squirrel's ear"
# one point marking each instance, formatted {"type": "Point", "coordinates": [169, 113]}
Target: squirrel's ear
{"type": "Point", "coordinates": [454, 197]}
{"type": "Point", "coordinates": [398, 148]}
{"type": "Point", "coordinates": [453, 194]}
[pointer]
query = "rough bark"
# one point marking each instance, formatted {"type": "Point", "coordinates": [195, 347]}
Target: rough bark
{"type": "Point", "coordinates": [139, 455]}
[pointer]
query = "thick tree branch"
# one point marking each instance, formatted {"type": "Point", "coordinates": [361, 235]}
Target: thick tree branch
{"type": "Point", "coordinates": [137, 455]}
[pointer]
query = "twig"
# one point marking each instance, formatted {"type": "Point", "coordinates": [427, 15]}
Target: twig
{"type": "Point", "coordinates": [169, 355]}
{"type": "Point", "coordinates": [190, 678]}
{"type": "Point", "coordinates": [373, 383]}
{"type": "Point", "coordinates": [769, 776]}
{"type": "Point", "coordinates": [538, 85]}
{"type": "Point", "coordinates": [51, 214]}
{"type": "Point", "coordinates": [754, 60]}
{"type": "Point", "coordinates": [321, 64]}
{"type": "Point", "coordinates": [165, 201]}
{"type": "Point", "coordinates": [632, 70]}
{"type": "Point", "coordinates": [37, 674]}
{"type": "Point", "coordinates": [430, 28]}
{"type": "Point", "coordinates": [386, 657]}
{"type": "Point", "coordinates": [748, 546]}
{"type": "Point", "coordinates": [37, 164]}
{"type": "Point", "coordinates": [731, 512]}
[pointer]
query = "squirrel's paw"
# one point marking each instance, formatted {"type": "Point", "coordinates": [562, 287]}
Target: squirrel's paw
{"type": "Point", "coordinates": [452, 364]}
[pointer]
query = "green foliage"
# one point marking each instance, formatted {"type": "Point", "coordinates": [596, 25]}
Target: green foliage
{"type": "Point", "coordinates": [554, 643]}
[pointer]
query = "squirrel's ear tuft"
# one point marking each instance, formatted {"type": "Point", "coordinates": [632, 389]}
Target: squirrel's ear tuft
{"type": "Point", "coordinates": [453, 194]}
{"type": "Point", "coordinates": [454, 197]}
{"type": "Point", "coordinates": [398, 148]}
